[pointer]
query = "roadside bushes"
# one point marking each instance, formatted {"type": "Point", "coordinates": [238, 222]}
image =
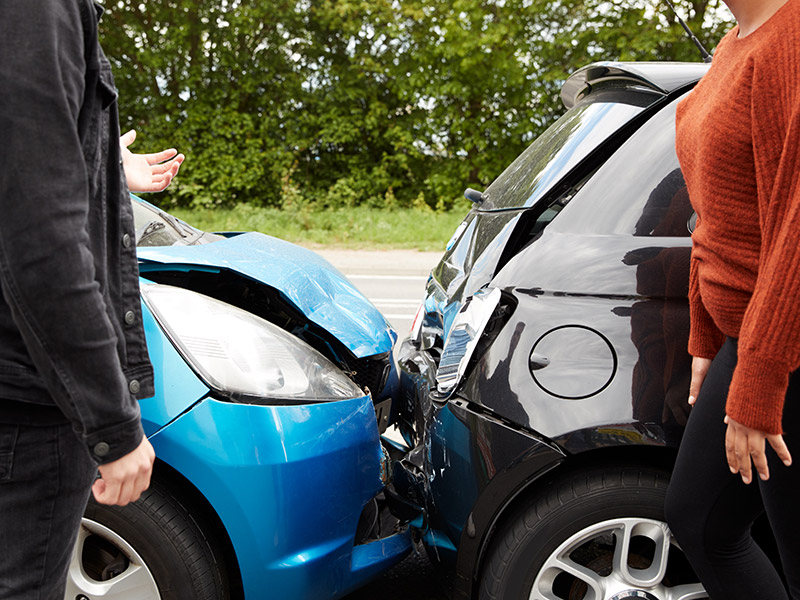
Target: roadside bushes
{"type": "Point", "coordinates": [317, 104]}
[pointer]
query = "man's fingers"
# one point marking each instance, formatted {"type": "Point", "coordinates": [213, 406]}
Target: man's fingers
{"type": "Point", "coordinates": [160, 168]}
{"type": "Point", "coordinates": [176, 164]}
{"type": "Point", "coordinates": [158, 157]}
{"type": "Point", "coordinates": [125, 479]}
{"type": "Point", "coordinates": [106, 492]}
{"type": "Point", "coordinates": [127, 491]}
{"type": "Point", "coordinates": [98, 488]}
{"type": "Point", "coordinates": [159, 183]}
{"type": "Point", "coordinates": [123, 491]}
{"type": "Point", "coordinates": [168, 166]}
{"type": "Point", "coordinates": [126, 139]}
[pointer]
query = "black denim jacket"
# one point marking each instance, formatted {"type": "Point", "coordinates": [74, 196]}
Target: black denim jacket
{"type": "Point", "coordinates": [71, 329]}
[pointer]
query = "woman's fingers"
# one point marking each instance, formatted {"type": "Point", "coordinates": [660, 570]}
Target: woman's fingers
{"type": "Point", "coordinates": [777, 443]}
{"type": "Point", "coordinates": [746, 447]}
{"type": "Point", "coordinates": [700, 368]}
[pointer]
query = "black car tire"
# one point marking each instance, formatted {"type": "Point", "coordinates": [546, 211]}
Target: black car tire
{"type": "Point", "coordinates": [157, 541]}
{"type": "Point", "coordinates": [576, 520]}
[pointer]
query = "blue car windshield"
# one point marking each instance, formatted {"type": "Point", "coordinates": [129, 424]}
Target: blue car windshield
{"type": "Point", "coordinates": [154, 227]}
{"type": "Point", "coordinates": [554, 153]}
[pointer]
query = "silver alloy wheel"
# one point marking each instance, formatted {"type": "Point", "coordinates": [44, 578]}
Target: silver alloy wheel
{"type": "Point", "coordinates": [133, 582]}
{"type": "Point", "coordinates": [625, 573]}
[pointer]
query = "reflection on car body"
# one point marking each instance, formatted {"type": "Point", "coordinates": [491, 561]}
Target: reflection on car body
{"type": "Point", "coordinates": [543, 464]}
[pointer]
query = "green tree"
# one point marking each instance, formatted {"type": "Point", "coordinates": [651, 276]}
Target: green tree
{"type": "Point", "coordinates": [320, 103]}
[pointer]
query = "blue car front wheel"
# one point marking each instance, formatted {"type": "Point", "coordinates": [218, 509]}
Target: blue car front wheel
{"type": "Point", "coordinates": [151, 549]}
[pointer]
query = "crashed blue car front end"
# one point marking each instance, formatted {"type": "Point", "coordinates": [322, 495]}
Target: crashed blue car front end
{"type": "Point", "coordinates": [274, 377]}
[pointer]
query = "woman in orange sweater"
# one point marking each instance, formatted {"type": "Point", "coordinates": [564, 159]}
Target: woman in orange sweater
{"type": "Point", "coordinates": [738, 141]}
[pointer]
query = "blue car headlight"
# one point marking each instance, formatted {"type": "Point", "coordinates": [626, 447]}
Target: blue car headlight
{"type": "Point", "coordinates": [241, 356]}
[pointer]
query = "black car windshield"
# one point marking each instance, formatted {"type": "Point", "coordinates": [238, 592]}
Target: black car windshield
{"type": "Point", "coordinates": [554, 153]}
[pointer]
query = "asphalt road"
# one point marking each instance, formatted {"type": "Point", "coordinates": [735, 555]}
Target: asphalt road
{"type": "Point", "coordinates": [412, 579]}
{"type": "Point", "coordinates": [394, 280]}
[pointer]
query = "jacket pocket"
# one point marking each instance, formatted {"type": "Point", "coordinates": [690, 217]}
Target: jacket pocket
{"type": "Point", "coordinates": [105, 85]}
{"type": "Point", "coordinates": [8, 440]}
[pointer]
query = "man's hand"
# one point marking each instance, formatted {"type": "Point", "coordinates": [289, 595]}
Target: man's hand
{"type": "Point", "coordinates": [700, 368]}
{"type": "Point", "coordinates": [743, 443]}
{"type": "Point", "coordinates": [148, 172]}
{"type": "Point", "coordinates": [125, 479]}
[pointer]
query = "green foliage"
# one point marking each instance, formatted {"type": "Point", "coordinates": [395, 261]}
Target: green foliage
{"type": "Point", "coordinates": [339, 103]}
{"type": "Point", "coordinates": [360, 227]}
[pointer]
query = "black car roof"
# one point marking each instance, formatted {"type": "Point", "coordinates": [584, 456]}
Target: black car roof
{"type": "Point", "coordinates": [661, 77]}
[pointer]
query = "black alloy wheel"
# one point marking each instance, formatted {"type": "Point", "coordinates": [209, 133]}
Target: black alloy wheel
{"type": "Point", "coordinates": [592, 535]}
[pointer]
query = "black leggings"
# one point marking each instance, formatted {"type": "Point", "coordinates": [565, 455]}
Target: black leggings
{"type": "Point", "coordinates": [710, 510]}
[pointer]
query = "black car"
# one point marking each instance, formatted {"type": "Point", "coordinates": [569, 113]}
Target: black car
{"type": "Point", "coordinates": [544, 384]}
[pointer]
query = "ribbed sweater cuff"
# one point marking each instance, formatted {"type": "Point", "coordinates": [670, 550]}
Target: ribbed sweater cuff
{"type": "Point", "coordinates": [757, 392]}
{"type": "Point", "coordinates": [705, 339]}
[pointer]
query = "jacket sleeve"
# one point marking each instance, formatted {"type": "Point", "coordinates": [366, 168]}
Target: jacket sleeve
{"type": "Point", "coordinates": [769, 341]}
{"type": "Point", "coordinates": [47, 269]}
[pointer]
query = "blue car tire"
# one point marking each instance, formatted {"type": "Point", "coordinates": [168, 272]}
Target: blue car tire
{"type": "Point", "coordinates": [152, 549]}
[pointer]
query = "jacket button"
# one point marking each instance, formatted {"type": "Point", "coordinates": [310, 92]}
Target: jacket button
{"type": "Point", "coordinates": [101, 450]}
{"type": "Point", "coordinates": [126, 240]}
{"type": "Point", "coordinates": [130, 317]}
{"type": "Point", "coordinates": [134, 386]}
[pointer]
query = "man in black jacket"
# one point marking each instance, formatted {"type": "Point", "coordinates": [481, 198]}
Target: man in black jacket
{"type": "Point", "coordinates": [73, 359]}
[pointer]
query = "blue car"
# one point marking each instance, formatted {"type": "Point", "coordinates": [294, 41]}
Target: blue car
{"type": "Point", "coordinates": [274, 378]}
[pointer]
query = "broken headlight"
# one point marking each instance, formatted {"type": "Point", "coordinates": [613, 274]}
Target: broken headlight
{"type": "Point", "coordinates": [242, 356]}
{"type": "Point", "coordinates": [463, 338]}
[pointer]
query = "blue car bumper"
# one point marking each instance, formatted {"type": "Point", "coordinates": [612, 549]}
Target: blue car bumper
{"type": "Point", "coordinates": [289, 484]}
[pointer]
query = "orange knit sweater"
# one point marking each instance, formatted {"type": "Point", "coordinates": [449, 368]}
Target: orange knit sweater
{"type": "Point", "coordinates": [738, 142]}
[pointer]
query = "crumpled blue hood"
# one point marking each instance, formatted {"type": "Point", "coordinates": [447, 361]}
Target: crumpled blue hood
{"type": "Point", "coordinates": [311, 283]}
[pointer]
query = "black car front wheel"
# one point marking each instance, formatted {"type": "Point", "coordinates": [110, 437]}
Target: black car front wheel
{"type": "Point", "coordinates": [593, 535]}
{"type": "Point", "coordinates": [151, 549]}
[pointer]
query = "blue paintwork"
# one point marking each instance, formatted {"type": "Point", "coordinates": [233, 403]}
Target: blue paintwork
{"type": "Point", "coordinates": [289, 484]}
{"type": "Point", "coordinates": [307, 280]}
{"type": "Point", "coordinates": [177, 386]}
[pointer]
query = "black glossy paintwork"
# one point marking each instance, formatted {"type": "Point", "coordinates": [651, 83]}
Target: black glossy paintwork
{"type": "Point", "coordinates": [664, 76]}
{"type": "Point", "coordinates": [598, 281]}
{"type": "Point", "coordinates": [474, 462]}
{"type": "Point", "coordinates": [626, 279]}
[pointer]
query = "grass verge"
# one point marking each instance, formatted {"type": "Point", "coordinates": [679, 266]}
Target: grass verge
{"type": "Point", "coordinates": [356, 228]}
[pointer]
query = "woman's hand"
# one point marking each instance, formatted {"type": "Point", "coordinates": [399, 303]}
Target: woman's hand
{"type": "Point", "coordinates": [148, 172]}
{"type": "Point", "coordinates": [743, 444]}
{"type": "Point", "coordinates": [700, 368]}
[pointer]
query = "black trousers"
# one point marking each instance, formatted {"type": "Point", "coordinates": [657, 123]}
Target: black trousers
{"type": "Point", "coordinates": [46, 474]}
{"type": "Point", "coordinates": [710, 510]}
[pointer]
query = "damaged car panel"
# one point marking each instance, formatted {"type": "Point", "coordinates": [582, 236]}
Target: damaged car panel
{"type": "Point", "coordinates": [562, 408]}
{"type": "Point", "coordinates": [305, 279]}
{"type": "Point", "coordinates": [288, 285]}
{"type": "Point", "coordinates": [274, 377]}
